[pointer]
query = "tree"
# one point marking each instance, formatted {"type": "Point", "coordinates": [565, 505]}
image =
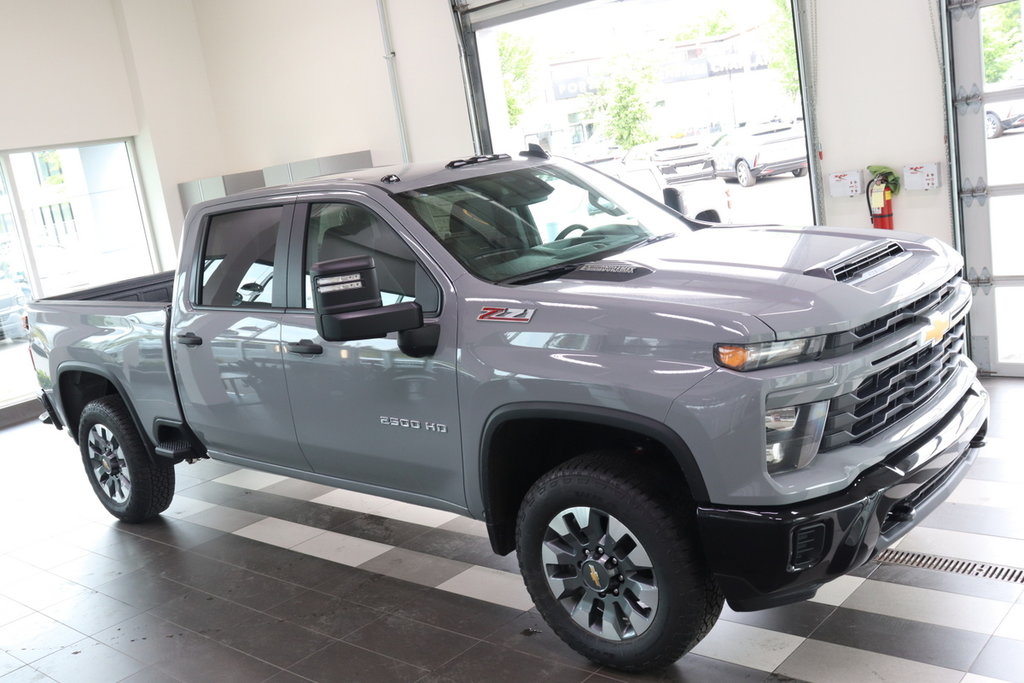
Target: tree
{"type": "Point", "coordinates": [708, 26]}
{"type": "Point", "coordinates": [782, 47]}
{"type": "Point", "coordinates": [515, 55]}
{"type": "Point", "coordinates": [622, 111]}
{"type": "Point", "coordinates": [1001, 38]}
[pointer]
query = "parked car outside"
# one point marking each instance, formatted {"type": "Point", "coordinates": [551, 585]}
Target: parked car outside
{"type": "Point", "coordinates": [1003, 116]}
{"type": "Point", "coordinates": [12, 307]}
{"type": "Point", "coordinates": [752, 152]}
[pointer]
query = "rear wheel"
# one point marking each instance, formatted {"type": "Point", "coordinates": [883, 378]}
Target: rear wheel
{"type": "Point", "coordinates": [744, 175]}
{"type": "Point", "coordinates": [993, 126]}
{"type": "Point", "coordinates": [131, 486]}
{"type": "Point", "coordinates": [613, 565]}
{"type": "Point", "coordinates": [799, 172]}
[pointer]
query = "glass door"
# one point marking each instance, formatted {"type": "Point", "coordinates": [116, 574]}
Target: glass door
{"type": "Point", "coordinates": [988, 87]}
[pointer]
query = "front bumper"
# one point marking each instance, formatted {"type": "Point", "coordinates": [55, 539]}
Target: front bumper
{"type": "Point", "coordinates": [764, 557]}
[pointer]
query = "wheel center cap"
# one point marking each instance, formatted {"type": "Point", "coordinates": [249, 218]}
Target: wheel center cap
{"type": "Point", "coordinates": [595, 576]}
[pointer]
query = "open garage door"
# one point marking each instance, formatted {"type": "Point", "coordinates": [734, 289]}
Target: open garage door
{"type": "Point", "coordinates": [988, 85]}
{"type": "Point", "coordinates": [697, 96]}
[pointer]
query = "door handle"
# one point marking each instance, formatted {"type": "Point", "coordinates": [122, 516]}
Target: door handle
{"type": "Point", "coordinates": [190, 339]}
{"type": "Point", "coordinates": [304, 347]}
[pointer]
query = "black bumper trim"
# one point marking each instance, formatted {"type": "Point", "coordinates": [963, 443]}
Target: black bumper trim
{"type": "Point", "coordinates": [750, 550]}
{"type": "Point", "coordinates": [54, 417]}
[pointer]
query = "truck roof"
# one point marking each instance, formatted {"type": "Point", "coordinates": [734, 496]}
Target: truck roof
{"type": "Point", "coordinates": [396, 178]}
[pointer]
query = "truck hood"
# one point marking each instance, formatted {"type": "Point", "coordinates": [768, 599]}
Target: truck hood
{"type": "Point", "coordinates": [799, 281]}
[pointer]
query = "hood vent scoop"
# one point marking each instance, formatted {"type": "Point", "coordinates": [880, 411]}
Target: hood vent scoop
{"type": "Point", "coordinates": [861, 263]}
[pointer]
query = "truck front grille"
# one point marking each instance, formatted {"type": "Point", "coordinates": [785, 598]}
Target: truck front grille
{"type": "Point", "coordinates": [887, 396]}
{"type": "Point", "coordinates": [887, 325]}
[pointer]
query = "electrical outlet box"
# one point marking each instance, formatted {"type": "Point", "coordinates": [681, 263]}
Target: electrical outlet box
{"type": "Point", "coordinates": [921, 176]}
{"type": "Point", "coordinates": [845, 184]}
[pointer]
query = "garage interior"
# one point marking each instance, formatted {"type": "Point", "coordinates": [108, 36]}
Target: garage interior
{"type": "Point", "coordinates": [119, 115]}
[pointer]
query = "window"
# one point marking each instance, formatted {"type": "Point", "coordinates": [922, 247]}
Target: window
{"type": "Point", "coordinates": [238, 258]}
{"type": "Point", "coordinates": [344, 230]}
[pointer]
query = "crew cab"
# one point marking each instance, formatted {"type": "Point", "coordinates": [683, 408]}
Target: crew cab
{"type": "Point", "coordinates": [656, 413]}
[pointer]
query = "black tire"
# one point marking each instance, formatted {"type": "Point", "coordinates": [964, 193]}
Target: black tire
{"type": "Point", "coordinates": [799, 172]}
{"type": "Point", "coordinates": [744, 175]}
{"type": "Point", "coordinates": [993, 125]}
{"type": "Point", "coordinates": [132, 486]}
{"type": "Point", "coordinates": [628, 509]}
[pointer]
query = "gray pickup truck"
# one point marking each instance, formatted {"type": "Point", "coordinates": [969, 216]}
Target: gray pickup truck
{"type": "Point", "coordinates": [657, 414]}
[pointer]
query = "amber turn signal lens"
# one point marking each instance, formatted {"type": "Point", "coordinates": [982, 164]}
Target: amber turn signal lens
{"type": "Point", "coordinates": [733, 356]}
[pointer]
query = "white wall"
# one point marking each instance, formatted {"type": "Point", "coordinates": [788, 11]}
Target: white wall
{"type": "Point", "coordinates": [880, 100]}
{"type": "Point", "coordinates": [212, 87]}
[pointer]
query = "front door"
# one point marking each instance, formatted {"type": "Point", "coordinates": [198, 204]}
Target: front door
{"type": "Point", "coordinates": [226, 340]}
{"type": "Point", "coordinates": [363, 410]}
{"type": "Point", "coordinates": [988, 83]}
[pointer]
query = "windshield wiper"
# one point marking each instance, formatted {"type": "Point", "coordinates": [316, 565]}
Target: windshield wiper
{"type": "Point", "coordinates": [651, 240]}
{"type": "Point", "coordinates": [541, 274]}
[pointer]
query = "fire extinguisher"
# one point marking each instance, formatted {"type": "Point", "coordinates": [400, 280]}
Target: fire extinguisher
{"type": "Point", "coordinates": [884, 184]}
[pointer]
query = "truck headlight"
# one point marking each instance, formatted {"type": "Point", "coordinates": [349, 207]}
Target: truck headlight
{"type": "Point", "coordinates": [792, 435]}
{"type": "Point", "coordinates": [745, 357]}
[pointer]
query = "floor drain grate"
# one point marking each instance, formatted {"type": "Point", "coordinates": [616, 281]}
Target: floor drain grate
{"type": "Point", "coordinates": [953, 566]}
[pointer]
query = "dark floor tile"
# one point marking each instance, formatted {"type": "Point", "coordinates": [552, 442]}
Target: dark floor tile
{"type": "Point", "coordinates": [214, 492]}
{"type": "Point", "coordinates": [457, 612]}
{"type": "Point", "coordinates": [371, 590]}
{"type": "Point", "coordinates": [209, 662]}
{"type": "Point", "coordinates": [228, 581]}
{"type": "Point", "coordinates": [287, 677]}
{"type": "Point", "coordinates": [292, 510]}
{"type": "Point", "coordinates": [274, 640]}
{"type": "Point", "coordinates": [489, 662]}
{"type": "Point", "coordinates": [135, 550]}
{"type": "Point", "coordinates": [150, 675]}
{"type": "Point", "coordinates": [382, 530]}
{"type": "Point", "coordinates": [325, 614]}
{"type": "Point", "coordinates": [342, 661]}
{"type": "Point", "coordinates": [89, 661]}
{"type": "Point", "coordinates": [418, 644]}
{"type": "Point", "coordinates": [94, 570]}
{"type": "Point", "coordinates": [462, 547]}
{"type": "Point", "coordinates": [149, 639]}
{"type": "Point", "coordinates": [975, 586]}
{"type": "Point", "coordinates": [864, 571]}
{"type": "Point", "coordinates": [530, 634]}
{"type": "Point", "coordinates": [143, 589]}
{"type": "Point", "coordinates": [205, 614]}
{"type": "Point", "coordinates": [938, 645]}
{"type": "Point", "coordinates": [91, 612]}
{"type": "Point", "coordinates": [1002, 658]}
{"type": "Point", "coordinates": [273, 561]}
{"type": "Point", "coordinates": [176, 533]}
{"type": "Point", "coordinates": [798, 619]}
{"type": "Point", "coordinates": [693, 668]}
{"type": "Point", "coordinates": [977, 519]}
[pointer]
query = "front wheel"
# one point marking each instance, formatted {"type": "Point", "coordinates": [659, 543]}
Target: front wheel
{"type": "Point", "coordinates": [614, 565]}
{"type": "Point", "coordinates": [993, 125]}
{"type": "Point", "coordinates": [132, 486]}
{"type": "Point", "coordinates": [744, 175]}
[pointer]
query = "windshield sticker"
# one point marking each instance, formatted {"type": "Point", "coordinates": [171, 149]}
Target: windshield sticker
{"type": "Point", "coordinates": [506, 315]}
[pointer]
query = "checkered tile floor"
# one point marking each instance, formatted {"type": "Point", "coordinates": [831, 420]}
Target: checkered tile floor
{"type": "Point", "coordinates": [252, 577]}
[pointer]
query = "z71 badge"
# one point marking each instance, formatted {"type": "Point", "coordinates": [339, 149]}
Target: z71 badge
{"type": "Point", "coordinates": [498, 314]}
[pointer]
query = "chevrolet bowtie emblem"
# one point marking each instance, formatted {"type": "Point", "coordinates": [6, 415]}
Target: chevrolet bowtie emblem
{"type": "Point", "coordinates": [594, 577]}
{"type": "Point", "coordinates": [937, 327]}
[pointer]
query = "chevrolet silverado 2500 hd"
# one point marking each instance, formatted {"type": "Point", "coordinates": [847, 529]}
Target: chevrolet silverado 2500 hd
{"type": "Point", "coordinates": [656, 414]}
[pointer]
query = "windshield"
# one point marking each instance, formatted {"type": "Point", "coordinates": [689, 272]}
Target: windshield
{"type": "Point", "coordinates": [506, 226]}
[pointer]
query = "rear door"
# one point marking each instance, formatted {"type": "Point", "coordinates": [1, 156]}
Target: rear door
{"type": "Point", "coordinates": [364, 411]}
{"type": "Point", "coordinates": [226, 339]}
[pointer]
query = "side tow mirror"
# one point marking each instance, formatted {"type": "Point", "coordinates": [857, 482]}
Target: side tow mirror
{"type": "Point", "coordinates": [346, 298]}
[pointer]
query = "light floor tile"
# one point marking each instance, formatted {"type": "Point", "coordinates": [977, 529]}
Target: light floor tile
{"type": "Point", "coordinates": [352, 500]}
{"type": "Point", "coordinates": [490, 585]}
{"type": "Point", "coordinates": [990, 493]}
{"type": "Point", "coordinates": [749, 646]}
{"type": "Point", "coordinates": [416, 514]}
{"type": "Point", "coordinates": [224, 518]}
{"type": "Point", "coordinates": [836, 592]}
{"type": "Point", "coordinates": [1013, 624]}
{"type": "Point", "coordinates": [250, 479]}
{"type": "Point", "coordinates": [965, 546]}
{"type": "Point", "coordinates": [465, 525]}
{"type": "Point", "coordinates": [183, 506]}
{"type": "Point", "coordinates": [828, 663]}
{"type": "Point", "coordinates": [975, 678]}
{"type": "Point", "coordinates": [415, 567]}
{"type": "Point", "coordinates": [279, 532]}
{"type": "Point", "coordinates": [342, 549]}
{"type": "Point", "coordinates": [298, 489]}
{"type": "Point", "coordinates": [929, 606]}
